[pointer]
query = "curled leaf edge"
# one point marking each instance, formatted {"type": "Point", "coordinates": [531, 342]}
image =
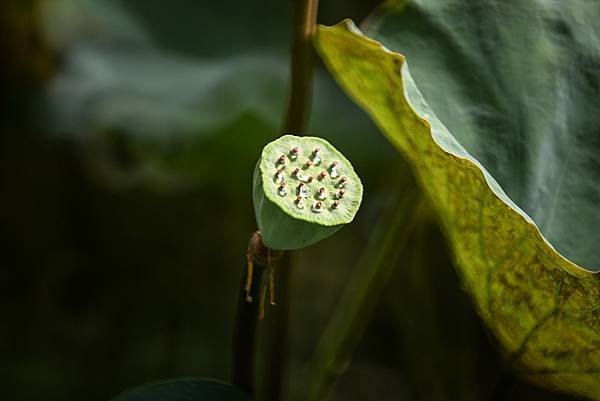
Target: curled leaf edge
{"type": "Point", "coordinates": [563, 262]}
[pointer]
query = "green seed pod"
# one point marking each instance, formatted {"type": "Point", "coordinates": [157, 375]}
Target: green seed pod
{"type": "Point", "coordinates": [304, 191]}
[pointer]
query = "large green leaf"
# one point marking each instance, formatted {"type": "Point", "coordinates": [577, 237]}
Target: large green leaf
{"type": "Point", "coordinates": [185, 390]}
{"type": "Point", "coordinates": [504, 114]}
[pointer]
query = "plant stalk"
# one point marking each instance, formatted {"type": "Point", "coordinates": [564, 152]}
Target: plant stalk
{"type": "Point", "coordinates": [244, 342]}
{"type": "Point", "coordinates": [302, 66]}
{"type": "Point", "coordinates": [276, 353]}
{"type": "Point", "coordinates": [336, 346]}
{"type": "Point", "coordinates": [248, 309]}
{"type": "Point", "coordinates": [295, 121]}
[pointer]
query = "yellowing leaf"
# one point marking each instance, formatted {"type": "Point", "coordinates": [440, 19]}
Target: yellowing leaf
{"type": "Point", "coordinates": [543, 308]}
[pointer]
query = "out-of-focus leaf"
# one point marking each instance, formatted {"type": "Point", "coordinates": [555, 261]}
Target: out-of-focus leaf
{"type": "Point", "coordinates": [185, 390]}
{"type": "Point", "coordinates": [156, 95]}
{"type": "Point", "coordinates": [113, 78]}
{"type": "Point", "coordinates": [522, 108]}
{"type": "Point", "coordinates": [30, 61]}
{"type": "Point", "coordinates": [158, 111]}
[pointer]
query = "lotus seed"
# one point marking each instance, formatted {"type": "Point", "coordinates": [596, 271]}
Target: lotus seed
{"type": "Point", "coordinates": [316, 156]}
{"type": "Point", "coordinates": [342, 182]}
{"type": "Point", "coordinates": [281, 159]}
{"type": "Point", "coordinates": [317, 207]}
{"type": "Point", "coordinates": [279, 177]}
{"type": "Point", "coordinates": [321, 193]}
{"type": "Point", "coordinates": [334, 170]}
{"type": "Point", "coordinates": [294, 152]}
{"type": "Point", "coordinates": [302, 191]}
{"type": "Point", "coordinates": [335, 204]}
{"type": "Point", "coordinates": [341, 193]}
{"type": "Point", "coordinates": [299, 203]}
{"type": "Point", "coordinates": [282, 191]}
{"type": "Point", "coordinates": [295, 172]}
{"type": "Point", "coordinates": [308, 164]}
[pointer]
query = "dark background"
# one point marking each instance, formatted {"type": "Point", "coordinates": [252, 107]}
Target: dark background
{"type": "Point", "coordinates": [129, 133]}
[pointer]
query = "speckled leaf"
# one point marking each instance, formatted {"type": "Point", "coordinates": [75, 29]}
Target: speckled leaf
{"type": "Point", "coordinates": [503, 132]}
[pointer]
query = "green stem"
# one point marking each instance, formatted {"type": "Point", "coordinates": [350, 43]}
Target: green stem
{"type": "Point", "coordinates": [334, 351]}
{"type": "Point", "coordinates": [248, 309]}
{"type": "Point", "coordinates": [277, 350]}
{"type": "Point", "coordinates": [244, 338]}
{"type": "Point", "coordinates": [296, 120]}
{"type": "Point", "coordinates": [302, 66]}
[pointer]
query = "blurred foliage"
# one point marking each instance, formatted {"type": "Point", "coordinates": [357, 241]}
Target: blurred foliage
{"type": "Point", "coordinates": [128, 142]}
{"type": "Point", "coordinates": [22, 43]}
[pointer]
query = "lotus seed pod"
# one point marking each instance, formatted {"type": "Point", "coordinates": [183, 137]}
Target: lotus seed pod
{"type": "Point", "coordinates": [294, 210]}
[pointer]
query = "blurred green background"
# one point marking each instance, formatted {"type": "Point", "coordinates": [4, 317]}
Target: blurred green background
{"type": "Point", "coordinates": [130, 130]}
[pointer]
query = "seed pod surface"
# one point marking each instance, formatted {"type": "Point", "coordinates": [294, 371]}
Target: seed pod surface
{"type": "Point", "coordinates": [291, 221]}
